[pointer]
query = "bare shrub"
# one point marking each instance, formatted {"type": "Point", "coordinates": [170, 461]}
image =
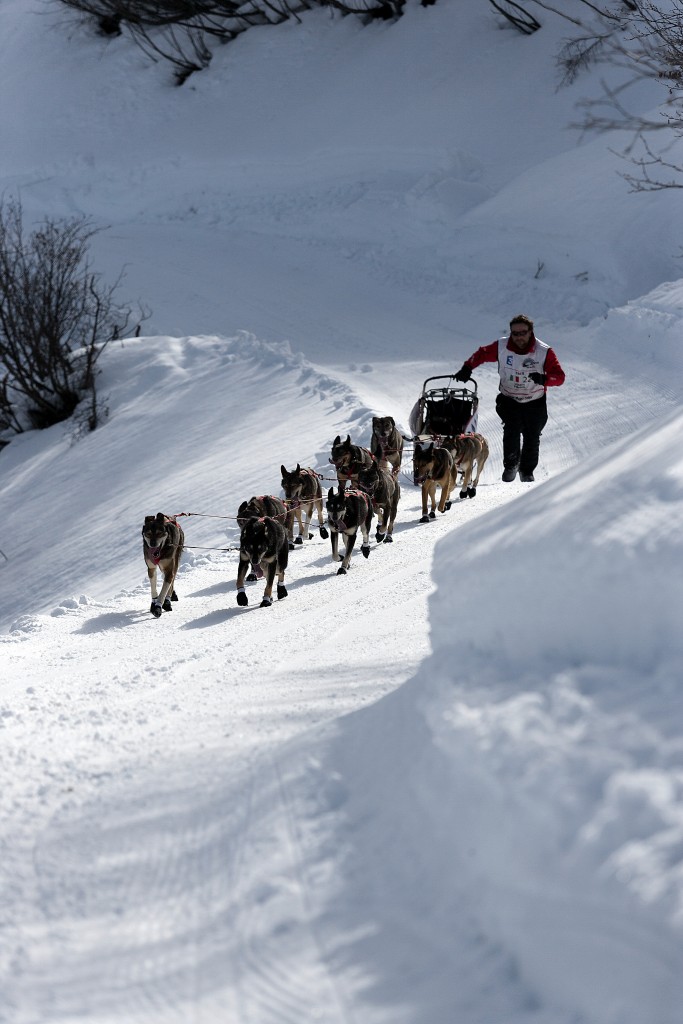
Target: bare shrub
{"type": "Point", "coordinates": [644, 42]}
{"type": "Point", "coordinates": [56, 318]}
{"type": "Point", "coordinates": [182, 31]}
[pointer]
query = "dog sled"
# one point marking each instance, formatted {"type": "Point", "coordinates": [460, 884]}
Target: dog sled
{"type": "Point", "coordinates": [444, 410]}
{"type": "Point", "coordinates": [446, 445]}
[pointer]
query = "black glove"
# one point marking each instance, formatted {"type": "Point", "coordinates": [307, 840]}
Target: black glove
{"type": "Point", "coordinates": [537, 378]}
{"type": "Point", "coordinates": [464, 373]}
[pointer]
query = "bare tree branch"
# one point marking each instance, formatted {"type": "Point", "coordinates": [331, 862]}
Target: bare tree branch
{"type": "Point", "coordinates": [56, 319]}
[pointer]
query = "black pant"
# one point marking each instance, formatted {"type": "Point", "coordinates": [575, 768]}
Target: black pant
{"type": "Point", "coordinates": [523, 423]}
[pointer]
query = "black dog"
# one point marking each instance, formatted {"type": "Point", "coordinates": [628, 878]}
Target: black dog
{"type": "Point", "coordinates": [347, 459]}
{"type": "Point", "coordinates": [255, 508]}
{"type": "Point", "coordinates": [385, 491]}
{"type": "Point", "coordinates": [162, 546]}
{"type": "Point", "coordinates": [263, 542]}
{"type": "Point", "coordinates": [386, 443]}
{"type": "Point", "coordinates": [263, 505]}
{"type": "Point", "coordinates": [346, 513]}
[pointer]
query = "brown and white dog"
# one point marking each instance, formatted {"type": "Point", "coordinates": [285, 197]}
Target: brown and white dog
{"type": "Point", "coordinates": [263, 542]}
{"type": "Point", "coordinates": [303, 495]}
{"type": "Point", "coordinates": [468, 451]}
{"type": "Point", "coordinates": [347, 513]}
{"type": "Point", "coordinates": [385, 492]}
{"type": "Point", "coordinates": [386, 443]}
{"type": "Point", "coordinates": [433, 466]}
{"type": "Point", "coordinates": [347, 459]}
{"type": "Point", "coordinates": [162, 546]}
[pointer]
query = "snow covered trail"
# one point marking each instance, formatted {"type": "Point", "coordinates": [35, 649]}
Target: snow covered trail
{"type": "Point", "coordinates": [129, 753]}
{"type": "Point", "coordinates": [123, 780]}
{"type": "Point", "coordinates": [155, 860]}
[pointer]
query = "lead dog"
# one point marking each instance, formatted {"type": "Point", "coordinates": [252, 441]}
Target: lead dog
{"type": "Point", "coordinates": [303, 493]}
{"type": "Point", "coordinates": [347, 458]}
{"type": "Point", "coordinates": [386, 443]}
{"type": "Point", "coordinates": [468, 450]}
{"type": "Point", "coordinates": [433, 466]}
{"type": "Point", "coordinates": [385, 491]}
{"type": "Point", "coordinates": [263, 542]}
{"type": "Point", "coordinates": [347, 513]}
{"type": "Point", "coordinates": [162, 546]}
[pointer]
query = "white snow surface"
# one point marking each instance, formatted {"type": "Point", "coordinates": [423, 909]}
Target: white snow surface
{"type": "Point", "coordinates": [446, 788]}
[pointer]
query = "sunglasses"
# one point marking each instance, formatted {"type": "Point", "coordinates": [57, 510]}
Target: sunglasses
{"type": "Point", "coordinates": [520, 334]}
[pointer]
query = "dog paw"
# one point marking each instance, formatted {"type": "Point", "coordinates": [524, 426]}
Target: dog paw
{"type": "Point", "coordinates": [379, 537]}
{"type": "Point", "coordinates": [341, 571]}
{"type": "Point", "coordinates": [174, 596]}
{"type": "Point", "coordinates": [432, 514]}
{"type": "Point", "coordinates": [291, 545]}
{"type": "Point", "coordinates": [447, 506]}
{"type": "Point", "coordinates": [266, 602]}
{"type": "Point", "coordinates": [251, 578]}
{"type": "Point", "coordinates": [299, 540]}
{"type": "Point", "coordinates": [242, 599]}
{"type": "Point", "coordinates": [365, 550]}
{"type": "Point", "coordinates": [155, 610]}
{"type": "Point", "coordinates": [323, 533]}
{"type": "Point", "coordinates": [388, 539]}
{"type": "Point", "coordinates": [463, 494]}
{"type": "Point", "coordinates": [167, 606]}
{"type": "Point", "coordinates": [425, 519]}
{"type": "Point", "coordinates": [471, 492]}
{"type": "Point", "coordinates": [281, 591]}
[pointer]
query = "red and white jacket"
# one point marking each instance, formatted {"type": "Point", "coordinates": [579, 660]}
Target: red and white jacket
{"type": "Point", "coordinates": [514, 367]}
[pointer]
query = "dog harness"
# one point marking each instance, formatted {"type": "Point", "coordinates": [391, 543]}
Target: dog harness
{"type": "Point", "coordinates": [154, 554]}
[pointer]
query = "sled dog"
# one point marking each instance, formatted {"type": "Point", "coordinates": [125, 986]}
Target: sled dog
{"type": "Point", "coordinates": [257, 506]}
{"type": "Point", "coordinates": [162, 546]}
{"type": "Point", "coordinates": [347, 458]}
{"type": "Point", "coordinates": [468, 450]}
{"type": "Point", "coordinates": [261, 505]}
{"type": "Point", "coordinates": [433, 466]}
{"type": "Point", "coordinates": [386, 443]}
{"type": "Point", "coordinates": [385, 492]}
{"type": "Point", "coordinates": [303, 496]}
{"type": "Point", "coordinates": [263, 543]}
{"type": "Point", "coordinates": [347, 512]}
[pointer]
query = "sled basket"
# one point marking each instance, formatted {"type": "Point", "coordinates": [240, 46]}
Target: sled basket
{"type": "Point", "coordinates": [443, 410]}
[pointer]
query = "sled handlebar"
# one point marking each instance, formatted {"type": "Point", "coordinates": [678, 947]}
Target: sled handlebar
{"type": "Point", "coordinates": [460, 386]}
